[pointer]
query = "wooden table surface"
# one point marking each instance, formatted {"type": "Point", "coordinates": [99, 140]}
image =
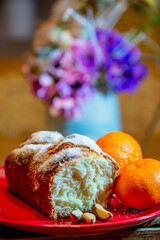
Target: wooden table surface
{"type": "Point", "coordinates": [147, 231]}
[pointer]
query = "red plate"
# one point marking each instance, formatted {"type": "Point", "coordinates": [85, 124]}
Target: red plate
{"type": "Point", "coordinates": [15, 213]}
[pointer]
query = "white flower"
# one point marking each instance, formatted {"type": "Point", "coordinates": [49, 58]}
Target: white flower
{"type": "Point", "coordinates": [62, 37]}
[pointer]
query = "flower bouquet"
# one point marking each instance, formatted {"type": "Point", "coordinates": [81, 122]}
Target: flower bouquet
{"type": "Point", "coordinates": [81, 53]}
{"type": "Point", "coordinates": [72, 69]}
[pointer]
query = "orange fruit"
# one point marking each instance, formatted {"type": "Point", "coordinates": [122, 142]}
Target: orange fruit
{"type": "Point", "coordinates": [138, 184]}
{"type": "Point", "coordinates": [121, 146]}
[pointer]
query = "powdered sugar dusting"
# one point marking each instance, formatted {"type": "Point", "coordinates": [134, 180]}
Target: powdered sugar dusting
{"type": "Point", "coordinates": [27, 150]}
{"type": "Point", "coordinates": [31, 149]}
{"type": "Point", "coordinates": [80, 140]}
{"type": "Point", "coordinates": [68, 153]}
{"type": "Point", "coordinates": [42, 137]}
{"type": "Point", "coordinates": [59, 157]}
{"type": "Point", "coordinates": [40, 153]}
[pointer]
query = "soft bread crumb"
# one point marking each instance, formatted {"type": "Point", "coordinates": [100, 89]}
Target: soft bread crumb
{"type": "Point", "coordinates": [81, 184]}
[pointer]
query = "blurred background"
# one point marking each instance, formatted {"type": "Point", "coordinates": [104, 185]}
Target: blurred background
{"type": "Point", "coordinates": [22, 113]}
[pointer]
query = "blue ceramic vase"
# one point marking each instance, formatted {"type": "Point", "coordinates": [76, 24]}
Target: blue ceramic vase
{"type": "Point", "coordinates": [100, 116]}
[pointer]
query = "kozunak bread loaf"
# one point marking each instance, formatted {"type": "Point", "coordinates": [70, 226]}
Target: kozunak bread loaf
{"type": "Point", "coordinates": [57, 175]}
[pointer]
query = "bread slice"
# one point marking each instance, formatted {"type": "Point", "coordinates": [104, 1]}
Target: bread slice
{"type": "Point", "coordinates": [59, 176]}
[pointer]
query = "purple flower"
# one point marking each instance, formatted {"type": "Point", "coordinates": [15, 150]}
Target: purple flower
{"type": "Point", "coordinates": [63, 88]}
{"type": "Point", "coordinates": [81, 56]}
{"type": "Point", "coordinates": [84, 55]}
{"type": "Point", "coordinates": [43, 86]}
{"type": "Point", "coordinates": [56, 67]}
{"type": "Point", "coordinates": [74, 89]}
{"type": "Point", "coordinates": [66, 107]}
{"type": "Point", "coordinates": [45, 80]}
{"type": "Point", "coordinates": [124, 72]}
{"type": "Point", "coordinates": [124, 77]}
{"type": "Point", "coordinates": [115, 45]}
{"type": "Point", "coordinates": [85, 93]}
{"type": "Point", "coordinates": [76, 76]}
